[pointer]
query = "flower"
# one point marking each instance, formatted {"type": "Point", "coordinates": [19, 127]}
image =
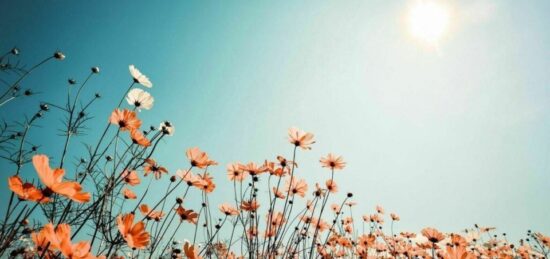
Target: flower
{"type": "Point", "coordinates": [140, 99]}
{"type": "Point", "coordinates": [331, 186]}
{"type": "Point", "coordinates": [394, 217]}
{"type": "Point", "coordinates": [333, 162]}
{"type": "Point", "coordinates": [199, 158]}
{"type": "Point", "coordinates": [26, 191]}
{"type": "Point", "coordinates": [53, 180]}
{"type": "Point", "coordinates": [433, 235]}
{"type": "Point", "coordinates": [187, 215]}
{"type": "Point", "coordinates": [59, 238]}
{"type": "Point", "coordinates": [139, 77]}
{"type": "Point", "coordinates": [235, 172]}
{"type": "Point", "coordinates": [130, 177]}
{"type": "Point", "coordinates": [125, 119]}
{"type": "Point", "coordinates": [135, 235]}
{"type": "Point", "coordinates": [153, 167]}
{"type": "Point", "coordinates": [295, 186]}
{"type": "Point", "coordinates": [300, 138]}
{"type": "Point", "coordinates": [250, 206]}
{"type": "Point", "coordinates": [150, 214]}
{"type": "Point", "coordinates": [167, 128]}
{"type": "Point", "coordinates": [191, 252]}
{"type": "Point", "coordinates": [228, 210]}
{"type": "Point", "coordinates": [138, 138]}
{"type": "Point", "coordinates": [129, 194]}
{"type": "Point", "coordinates": [205, 183]}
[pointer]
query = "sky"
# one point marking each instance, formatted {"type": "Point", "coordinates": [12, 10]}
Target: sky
{"type": "Point", "coordinates": [444, 136]}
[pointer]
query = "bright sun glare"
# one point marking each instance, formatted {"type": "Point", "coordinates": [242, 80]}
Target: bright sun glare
{"type": "Point", "coordinates": [428, 21]}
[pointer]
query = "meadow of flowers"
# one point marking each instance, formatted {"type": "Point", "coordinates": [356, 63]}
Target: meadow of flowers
{"type": "Point", "coordinates": [101, 207]}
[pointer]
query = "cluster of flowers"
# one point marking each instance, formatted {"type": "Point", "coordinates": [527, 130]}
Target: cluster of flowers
{"type": "Point", "coordinates": [102, 204]}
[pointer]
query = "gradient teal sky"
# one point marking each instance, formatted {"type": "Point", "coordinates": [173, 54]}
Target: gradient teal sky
{"type": "Point", "coordinates": [444, 138]}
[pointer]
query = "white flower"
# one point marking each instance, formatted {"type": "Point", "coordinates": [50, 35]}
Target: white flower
{"type": "Point", "coordinates": [139, 77]}
{"type": "Point", "coordinates": [167, 128]}
{"type": "Point", "coordinates": [140, 99]}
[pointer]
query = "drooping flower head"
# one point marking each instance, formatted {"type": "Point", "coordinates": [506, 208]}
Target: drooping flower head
{"type": "Point", "coordinates": [139, 78]}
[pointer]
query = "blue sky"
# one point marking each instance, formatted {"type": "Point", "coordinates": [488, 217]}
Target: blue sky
{"type": "Point", "coordinates": [445, 138]}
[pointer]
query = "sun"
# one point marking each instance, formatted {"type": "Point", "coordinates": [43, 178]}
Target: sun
{"type": "Point", "coordinates": [428, 21]}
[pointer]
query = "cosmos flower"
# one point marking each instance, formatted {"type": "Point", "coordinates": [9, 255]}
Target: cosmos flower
{"type": "Point", "coordinates": [187, 215]}
{"type": "Point", "coordinates": [250, 206]}
{"type": "Point", "coordinates": [152, 167]}
{"type": "Point", "coordinates": [235, 172]}
{"type": "Point", "coordinates": [191, 251]}
{"type": "Point", "coordinates": [129, 194]}
{"type": "Point", "coordinates": [139, 139]}
{"type": "Point", "coordinates": [53, 180]}
{"type": "Point", "coordinates": [135, 235]}
{"type": "Point", "coordinates": [333, 162]}
{"type": "Point", "coordinates": [167, 128]}
{"type": "Point", "coordinates": [332, 187]}
{"type": "Point", "coordinates": [139, 77]}
{"type": "Point", "coordinates": [432, 235]}
{"type": "Point", "coordinates": [296, 186]}
{"type": "Point", "coordinates": [140, 99]}
{"type": "Point", "coordinates": [150, 214]}
{"type": "Point", "coordinates": [26, 191]}
{"type": "Point", "coordinates": [228, 210]}
{"type": "Point", "coordinates": [130, 177]}
{"type": "Point", "coordinates": [300, 138]}
{"type": "Point", "coordinates": [198, 158]}
{"type": "Point", "coordinates": [59, 238]}
{"type": "Point", "coordinates": [125, 119]}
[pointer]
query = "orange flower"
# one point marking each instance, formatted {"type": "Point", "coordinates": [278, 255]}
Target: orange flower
{"type": "Point", "coordinates": [199, 158]}
{"type": "Point", "coordinates": [41, 241]}
{"type": "Point", "coordinates": [333, 162]}
{"type": "Point", "coordinates": [191, 251]}
{"type": "Point", "coordinates": [153, 167]}
{"type": "Point", "coordinates": [138, 138]}
{"type": "Point", "coordinates": [150, 214]}
{"type": "Point", "coordinates": [278, 194]}
{"type": "Point", "coordinates": [187, 215]}
{"type": "Point", "coordinates": [545, 240]}
{"type": "Point", "coordinates": [433, 235]}
{"type": "Point", "coordinates": [228, 210]}
{"type": "Point", "coordinates": [253, 169]}
{"type": "Point", "coordinates": [205, 183]}
{"type": "Point", "coordinates": [130, 177]}
{"type": "Point", "coordinates": [135, 235]}
{"type": "Point", "coordinates": [300, 138]}
{"type": "Point", "coordinates": [394, 217]}
{"type": "Point", "coordinates": [331, 186]}
{"type": "Point", "coordinates": [52, 179]}
{"type": "Point", "coordinates": [26, 191]}
{"type": "Point", "coordinates": [60, 239]}
{"type": "Point", "coordinates": [295, 186]}
{"type": "Point", "coordinates": [125, 119]}
{"type": "Point", "coordinates": [235, 172]}
{"type": "Point", "coordinates": [129, 194]}
{"type": "Point", "coordinates": [250, 206]}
